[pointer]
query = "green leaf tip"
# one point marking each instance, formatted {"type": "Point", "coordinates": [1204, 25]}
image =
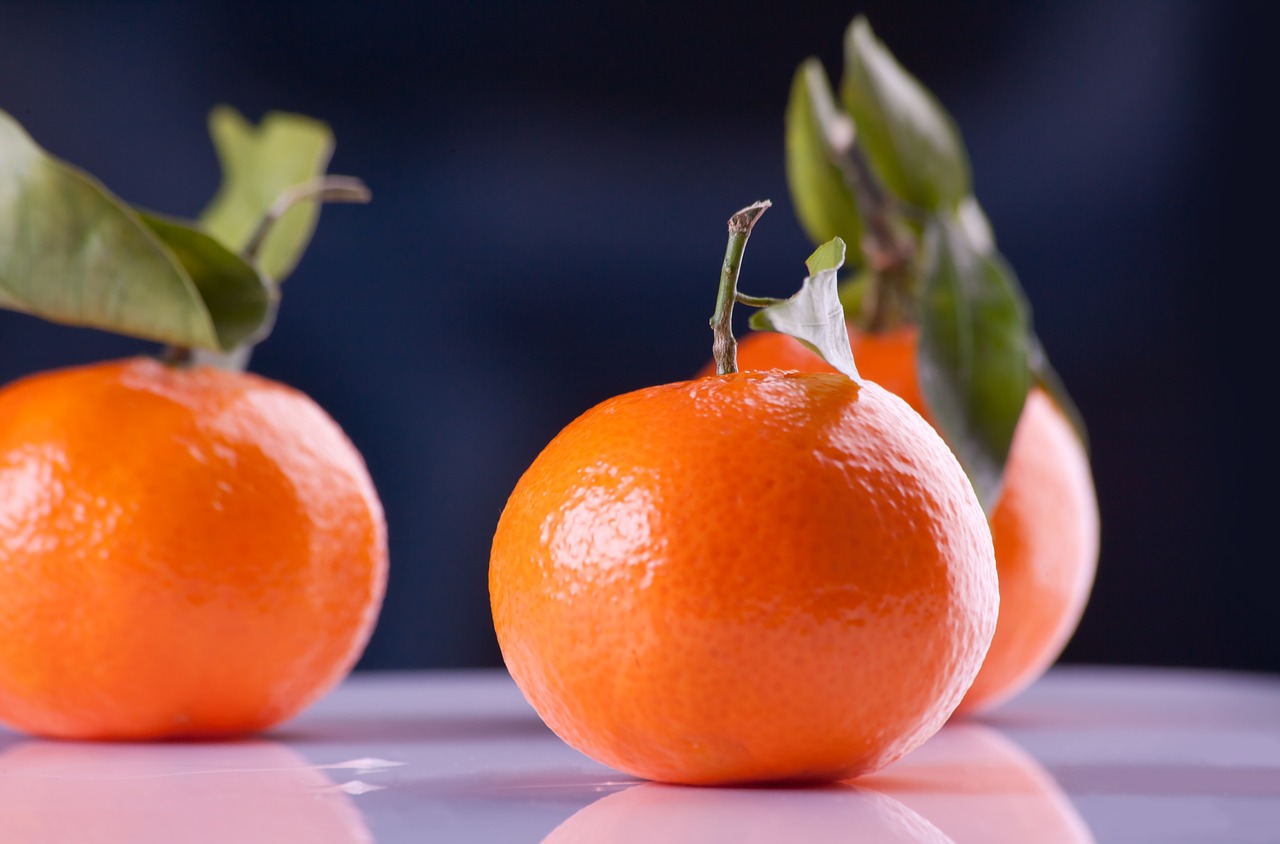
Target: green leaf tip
{"type": "Point", "coordinates": [828, 256]}
{"type": "Point", "coordinates": [817, 131]}
{"type": "Point", "coordinates": [910, 139]}
{"type": "Point", "coordinates": [814, 315]}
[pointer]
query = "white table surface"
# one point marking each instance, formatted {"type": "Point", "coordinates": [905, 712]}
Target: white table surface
{"type": "Point", "coordinates": [1086, 755]}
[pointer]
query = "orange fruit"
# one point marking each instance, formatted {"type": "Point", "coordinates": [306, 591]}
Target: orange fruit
{"type": "Point", "coordinates": [744, 578]}
{"type": "Point", "coordinates": [1045, 525]}
{"type": "Point", "coordinates": [185, 552]}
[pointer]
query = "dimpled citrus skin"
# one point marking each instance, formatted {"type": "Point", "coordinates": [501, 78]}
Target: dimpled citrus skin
{"type": "Point", "coordinates": [1045, 525]}
{"type": "Point", "coordinates": [184, 552]}
{"type": "Point", "coordinates": [754, 577]}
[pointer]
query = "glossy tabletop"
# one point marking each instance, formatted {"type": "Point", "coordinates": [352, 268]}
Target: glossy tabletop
{"type": "Point", "coordinates": [1086, 755]}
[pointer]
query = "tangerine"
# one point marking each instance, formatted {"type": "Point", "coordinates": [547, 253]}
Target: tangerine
{"type": "Point", "coordinates": [745, 578]}
{"type": "Point", "coordinates": [185, 552]}
{"type": "Point", "coordinates": [1044, 526]}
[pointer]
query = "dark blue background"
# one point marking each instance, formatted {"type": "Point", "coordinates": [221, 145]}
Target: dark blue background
{"type": "Point", "coordinates": [551, 182]}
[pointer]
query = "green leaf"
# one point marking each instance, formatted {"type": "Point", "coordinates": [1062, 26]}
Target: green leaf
{"type": "Point", "coordinates": [814, 316]}
{"type": "Point", "coordinates": [72, 252]}
{"type": "Point", "coordinates": [240, 303]}
{"type": "Point", "coordinates": [977, 230]}
{"type": "Point", "coordinates": [827, 257]}
{"type": "Point", "coordinates": [972, 357]}
{"type": "Point", "coordinates": [259, 163]}
{"type": "Point", "coordinates": [911, 141]}
{"type": "Point", "coordinates": [823, 202]}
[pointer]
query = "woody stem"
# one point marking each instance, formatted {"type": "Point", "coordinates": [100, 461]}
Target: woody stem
{"type": "Point", "coordinates": [723, 347]}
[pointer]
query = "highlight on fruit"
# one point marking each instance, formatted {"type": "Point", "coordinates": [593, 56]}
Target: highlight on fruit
{"type": "Point", "coordinates": [750, 577]}
{"type": "Point", "coordinates": [190, 550]}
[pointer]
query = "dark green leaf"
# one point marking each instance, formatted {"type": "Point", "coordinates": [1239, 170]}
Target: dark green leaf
{"type": "Point", "coordinates": [71, 252]}
{"type": "Point", "coordinates": [823, 201]}
{"type": "Point", "coordinates": [814, 316]}
{"type": "Point", "coordinates": [259, 163]}
{"type": "Point", "coordinates": [973, 360]}
{"type": "Point", "coordinates": [239, 301]}
{"type": "Point", "coordinates": [911, 141]}
{"type": "Point", "coordinates": [977, 229]}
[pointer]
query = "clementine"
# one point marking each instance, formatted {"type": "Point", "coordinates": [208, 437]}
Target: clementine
{"type": "Point", "coordinates": [185, 552]}
{"type": "Point", "coordinates": [1044, 526]}
{"type": "Point", "coordinates": [747, 577]}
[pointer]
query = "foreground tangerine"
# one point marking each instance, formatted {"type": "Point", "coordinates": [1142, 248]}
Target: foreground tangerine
{"type": "Point", "coordinates": [745, 578]}
{"type": "Point", "coordinates": [1044, 526]}
{"type": "Point", "coordinates": [186, 552]}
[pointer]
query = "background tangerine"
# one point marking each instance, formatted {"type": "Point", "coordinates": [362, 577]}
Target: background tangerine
{"type": "Point", "coordinates": [755, 577]}
{"type": "Point", "coordinates": [185, 552]}
{"type": "Point", "coordinates": [1045, 525]}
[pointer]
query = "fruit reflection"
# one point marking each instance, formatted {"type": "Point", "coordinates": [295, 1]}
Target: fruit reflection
{"type": "Point", "coordinates": [979, 787]}
{"type": "Point", "coordinates": [675, 814]}
{"type": "Point", "coordinates": [248, 793]}
{"type": "Point", "coordinates": [967, 784]}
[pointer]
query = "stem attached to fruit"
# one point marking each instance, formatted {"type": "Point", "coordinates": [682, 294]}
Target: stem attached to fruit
{"type": "Point", "coordinates": [723, 347]}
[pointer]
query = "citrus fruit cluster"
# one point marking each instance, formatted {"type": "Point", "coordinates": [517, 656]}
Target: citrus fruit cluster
{"type": "Point", "coordinates": [794, 572]}
{"type": "Point", "coordinates": [763, 575]}
{"type": "Point", "coordinates": [188, 549]}
{"type": "Point", "coordinates": [747, 577]}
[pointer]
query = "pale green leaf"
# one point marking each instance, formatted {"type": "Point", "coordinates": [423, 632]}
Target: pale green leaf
{"type": "Point", "coordinates": [813, 315]}
{"type": "Point", "coordinates": [259, 163]}
{"type": "Point", "coordinates": [828, 256]}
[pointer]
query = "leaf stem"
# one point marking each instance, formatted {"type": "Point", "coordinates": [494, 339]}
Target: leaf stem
{"type": "Point", "coordinates": [890, 251]}
{"type": "Point", "coordinates": [322, 188]}
{"type": "Point", "coordinates": [723, 347]}
{"type": "Point", "coordinates": [757, 301]}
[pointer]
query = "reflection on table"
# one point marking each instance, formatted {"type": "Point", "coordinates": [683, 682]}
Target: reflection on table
{"type": "Point", "coordinates": [257, 792]}
{"type": "Point", "coordinates": [1112, 756]}
{"type": "Point", "coordinates": [967, 785]}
